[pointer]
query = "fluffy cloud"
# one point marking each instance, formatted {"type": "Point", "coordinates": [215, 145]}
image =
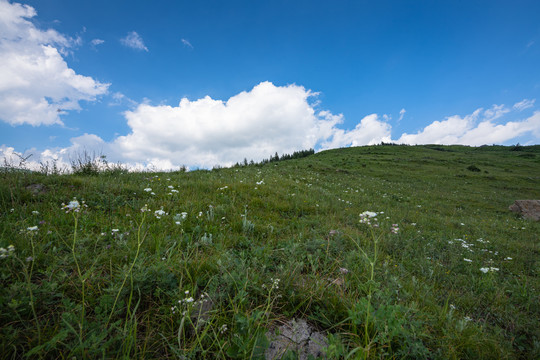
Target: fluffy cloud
{"type": "Point", "coordinates": [134, 41]}
{"type": "Point", "coordinates": [36, 84]}
{"type": "Point", "coordinates": [206, 132]}
{"type": "Point", "coordinates": [371, 130]}
{"type": "Point", "coordinates": [475, 129]}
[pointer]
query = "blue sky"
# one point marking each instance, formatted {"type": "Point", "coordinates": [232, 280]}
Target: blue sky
{"type": "Point", "coordinates": [263, 76]}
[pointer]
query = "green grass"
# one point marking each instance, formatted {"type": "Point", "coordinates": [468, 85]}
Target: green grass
{"type": "Point", "coordinates": [112, 281]}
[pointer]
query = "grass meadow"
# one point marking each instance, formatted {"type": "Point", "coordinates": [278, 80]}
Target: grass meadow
{"type": "Point", "coordinates": [404, 252]}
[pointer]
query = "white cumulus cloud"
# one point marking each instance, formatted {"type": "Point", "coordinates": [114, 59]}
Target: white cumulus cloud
{"type": "Point", "coordinates": [205, 132]}
{"type": "Point", "coordinates": [36, 84]}
{"type": "Point", "coordinates": [474, 129]}
{"type": "Point", "coordinates": [134, 41]}
{"type": "Point", "coordinates": [370, 130]}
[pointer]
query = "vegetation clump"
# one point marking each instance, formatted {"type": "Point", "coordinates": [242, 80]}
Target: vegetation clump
{"type": "Point", "coordinates": [473, 168]}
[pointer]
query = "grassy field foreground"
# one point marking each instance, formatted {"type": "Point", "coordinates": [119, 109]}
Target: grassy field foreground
{"type": "Point", "coordinates": [202, 264]}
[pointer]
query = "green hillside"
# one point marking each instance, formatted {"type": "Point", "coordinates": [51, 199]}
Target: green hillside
{"type": "Point", "coordinates": [443, 271]}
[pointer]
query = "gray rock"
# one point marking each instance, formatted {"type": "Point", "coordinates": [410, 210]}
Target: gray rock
{"type": "Point", "coordinates": [529, 209]}
{"type": "Point", "coordinates": [37, 189]}
{"type": "Point", "coordinates": [297, 336]}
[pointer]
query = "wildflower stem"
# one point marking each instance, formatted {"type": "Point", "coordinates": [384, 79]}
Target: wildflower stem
{"type": "Point", "coordinates": [28, 276]}
{"type": "Point", "coordinates": [139, 243]}
{"type": "Point", "coordinates": [81, 324]}
{"type": "Point", "coordinates": [372, 261]}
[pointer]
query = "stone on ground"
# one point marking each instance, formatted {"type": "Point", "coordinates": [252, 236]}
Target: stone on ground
{"type": "Point", "coordinates": [529, 209]}
{"type": "Point", "coordinates": [297, 336]}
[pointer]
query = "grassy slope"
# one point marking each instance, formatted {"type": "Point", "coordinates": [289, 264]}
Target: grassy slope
{"type": "Point", "coordinates": [423, 300]}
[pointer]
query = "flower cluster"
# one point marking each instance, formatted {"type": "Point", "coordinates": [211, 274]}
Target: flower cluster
{"type": "Point", "coordinates": [4, 253]}
{"type": "Point", "coordinates": [74, 206]}
{"type": "Point", "coordinates": [159, 213]}
{"type": "Point", "coordinates": [367, 216]}
{"type": "Point", "coordinates": [273, 285]}
{"type": "Point", "coordinates": [394, 229]}
{"type": "Point", "coordinates": [187, 302]}
{"type": "Point", "coordinates": [178, 218]}
{"type": "Point", "coordinates": [149, 190]}
{"type": "Point", "coordinates": [488, 269]}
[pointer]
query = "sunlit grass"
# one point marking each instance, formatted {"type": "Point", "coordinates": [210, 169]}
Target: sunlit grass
{"type": "Point", "coordinates": [217, 258]}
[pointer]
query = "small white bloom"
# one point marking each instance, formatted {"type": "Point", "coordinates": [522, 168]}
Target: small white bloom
{"type": "Point", "coordinates": [508, 258]}
{"type": "Point", "coordinates": [73, 205]}
{"type": "Point", "coordinates": [148, 189]}
{"type": "Point", "coordinates": [368, 214]}
{"type": "Point", "coordinates": [32, 228]}
{"type": "Point", "coordinates": [159, 212]}
{"type": "Point", "coordinates": [35, 212]}
{"type": "Point", "coordinates": [467, 260]}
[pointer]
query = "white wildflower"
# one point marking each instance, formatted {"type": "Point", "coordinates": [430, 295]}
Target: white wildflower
{"type": "Point", "coordinates": [159, 213]}
{"type": "Point", "coordinates": [370, 214]}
